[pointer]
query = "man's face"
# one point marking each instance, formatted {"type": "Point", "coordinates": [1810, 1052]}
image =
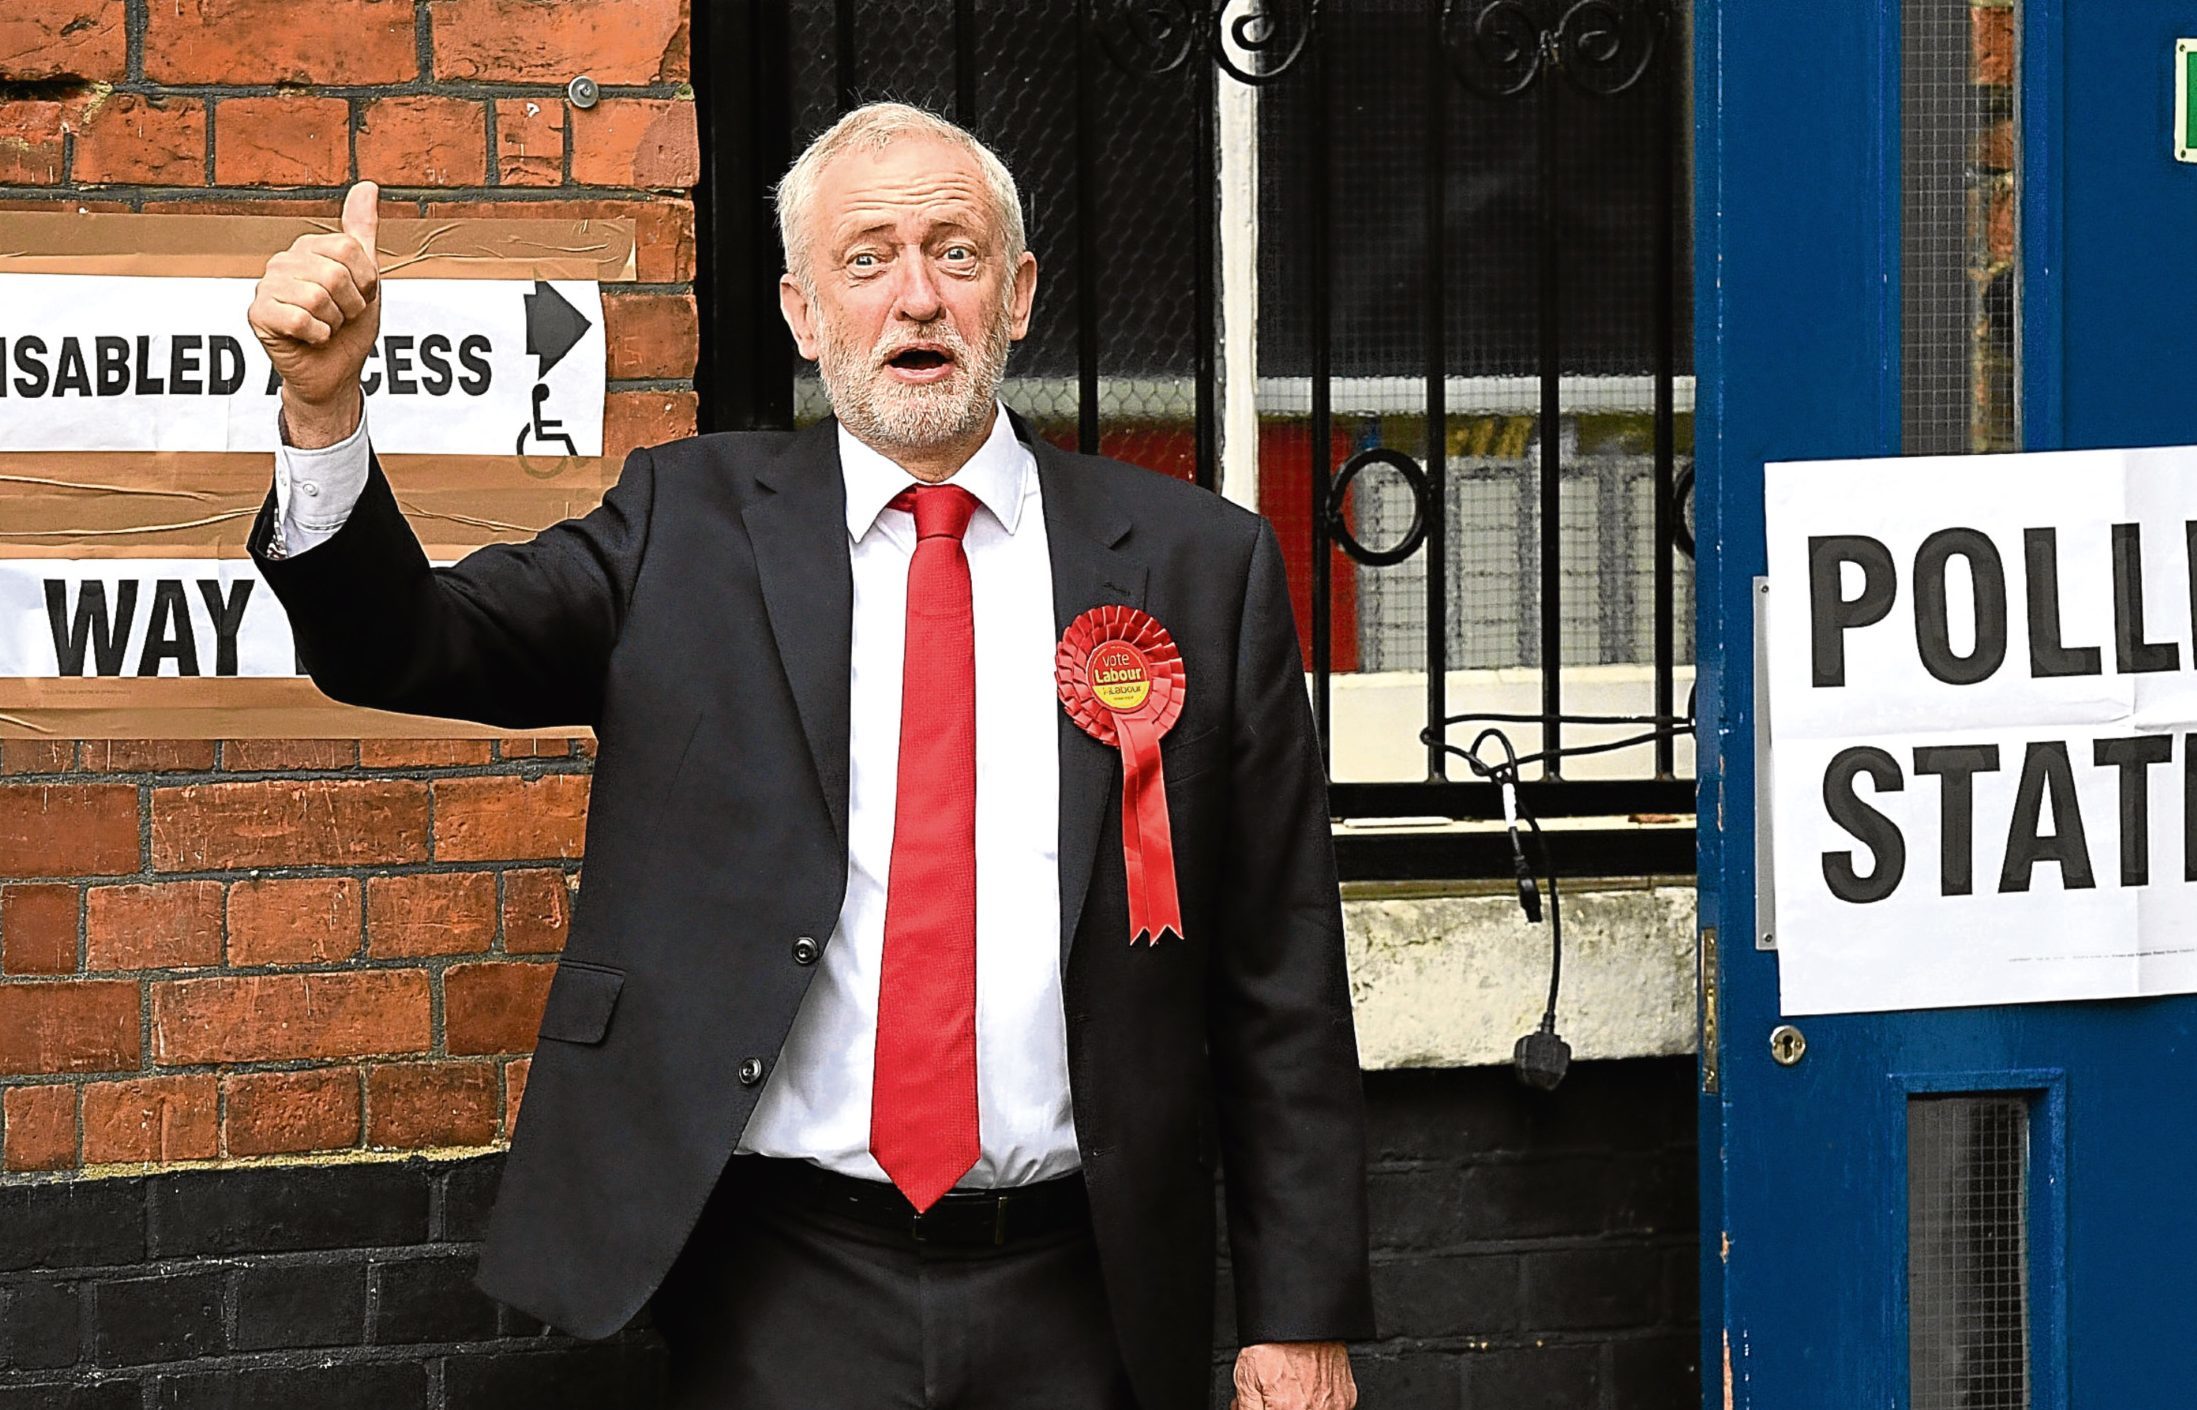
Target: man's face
{"type": "Point", "coordinates": [910, 302]}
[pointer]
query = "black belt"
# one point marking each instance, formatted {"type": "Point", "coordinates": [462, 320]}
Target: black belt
{"type": "Point", "coordinates": [962, 1217]}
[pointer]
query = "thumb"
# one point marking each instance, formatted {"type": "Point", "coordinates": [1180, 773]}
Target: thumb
{"type": "Point", "coordinates": [362, 217]}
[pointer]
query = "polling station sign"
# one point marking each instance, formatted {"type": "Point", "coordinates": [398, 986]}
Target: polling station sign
{"type": "Point", "coordinates": [1983, 728]}
{"type": "Point", "coordinates": [137, 425]}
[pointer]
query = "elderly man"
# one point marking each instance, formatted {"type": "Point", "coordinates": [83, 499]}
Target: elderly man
{"type": "Point", "coordinates": [959, 888]}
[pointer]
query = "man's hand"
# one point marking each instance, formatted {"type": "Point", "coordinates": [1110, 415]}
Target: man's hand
{"type": "Point", "coordinates": [1294, 1375]}
{"type": "Point", "coordinates": [317, 311]}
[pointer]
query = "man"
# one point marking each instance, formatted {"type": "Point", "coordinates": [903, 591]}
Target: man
{"type": "Point", "coordinates": [850, 1061]}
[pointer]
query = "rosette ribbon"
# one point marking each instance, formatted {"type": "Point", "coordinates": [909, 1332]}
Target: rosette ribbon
{"type": "Point", "coordinates": [1121, 679]}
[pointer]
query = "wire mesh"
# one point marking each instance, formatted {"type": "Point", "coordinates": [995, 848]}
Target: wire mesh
{"type": "Point", "coordinates": [1959, 275]}
{"type": "Point", "coordinates": [1968, 1252]}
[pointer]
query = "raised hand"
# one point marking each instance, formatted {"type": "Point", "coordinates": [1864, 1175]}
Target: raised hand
{"type": "Point", "coordinates": [317, 311]}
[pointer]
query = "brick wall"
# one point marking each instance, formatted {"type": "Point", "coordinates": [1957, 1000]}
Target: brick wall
{"type": "Point", "coordinates": [250, 948]}
{"type": "Point", "coordinates": [1529, 1251]}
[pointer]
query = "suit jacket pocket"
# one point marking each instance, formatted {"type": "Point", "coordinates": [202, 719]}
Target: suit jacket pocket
{"type": "Point", "coordinates": [581, 997]}
{"type": "Point", "coordinates": [1183, 760]}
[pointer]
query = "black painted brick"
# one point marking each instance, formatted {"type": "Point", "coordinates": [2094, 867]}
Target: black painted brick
{"type": "Point", "coordinates": [430, 1299]}
{"type": "Point", "coordinates": [1535, 1378]}
{"type": "Point", "coordinates": [1654, 1193]}
{"type": "Point", "coordinates": [1417, 1380]}
{"type": "Point", "coordinates": [468, 1193]}
{"type": "Point", "coordinates": [174, 1317]}
{"type": "Point", "coordinates": [42, 1329]}
{"type": "Point", "coordinates": [300, 1207]}
{"type": "Point", "coordinates": [284, 1305]}
{"type": "Point", "coordinates": [1661, 1373]}
{"type": "Point", "coordinates": [1416, 1209]}
{"type": "Point", "coordinates": [1472, 1295]}
{"type": "Point", "coordinates": [385, 1385]}
{"type": "Point", "coordinates": [109, 1395]}
{"type": "Point", "coordinates": [1534, 1199]}
{"type": "Point", "coordinates": [617, 1375]}
{"type": "Point", "coordinates": [1600, 1287]}
{"type": "Point", "coordinates": [72, 1224]}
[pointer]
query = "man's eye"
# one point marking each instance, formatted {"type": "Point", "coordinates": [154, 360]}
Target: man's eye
{"type": "Point", "coordinates": [960, 252]}
{"type": "Point", "coordinates": [863, 261]}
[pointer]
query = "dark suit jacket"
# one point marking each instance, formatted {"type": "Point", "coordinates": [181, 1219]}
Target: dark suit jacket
{"type": "Point", "coordinates": [699, 621]}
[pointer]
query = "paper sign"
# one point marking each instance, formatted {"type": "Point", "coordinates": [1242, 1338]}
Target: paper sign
{"type": "Point", "coordinates": [462, 367]}
{"type": "Point", "coordinates": [1983, 725]}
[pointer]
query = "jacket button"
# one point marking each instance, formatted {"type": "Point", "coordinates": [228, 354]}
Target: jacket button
{"type": "Point", "coordinates": [805, 950]}
{"type": "Point", "coordinates": [751, 1071]}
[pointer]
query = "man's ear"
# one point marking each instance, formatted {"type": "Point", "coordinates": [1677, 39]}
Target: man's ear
{"type": "Point", "coordinates": [800, 316]}
{"type": "Point", "coordinates": [1025, 294]}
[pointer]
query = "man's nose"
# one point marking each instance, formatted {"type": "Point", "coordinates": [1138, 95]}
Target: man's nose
{"type": "Point", "coordinates": [918, 300]}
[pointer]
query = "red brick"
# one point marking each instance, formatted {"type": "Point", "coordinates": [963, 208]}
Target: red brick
{"type": "Point", "coordinates": [530, 141]}
{"type": "Point", "coordinates": [293, 920]}
{"type": "Point", "coordinates": [290, 139]}
{"type": "Point", "coordinates": [1995, 146]}
{"type": "Point", "coordinates": [421, 753]}
{"type": "Point", "coordinates": [634, 419]}
{"type": "Point", "coordinates": [72, 1026]}
{"type": "Point", "coordinates": [514, 1089]}
{"type": "Point", "coordinates": [63, 39]}
{"type": "Point", "coordinates": [430, 913]}
{"type": "Point", "coordinates": [526, 41]}
{"type": "Point", "coordinates": [281, 1113]}
{"type": "Point", "coordinates": [289, 822]}
{"type": "Point", "coordinates": [650, 143]}
{"type": "Point", "coordinates": [244, 756]}
{"type": "Point", "coordinates": [38, 929]}
{"type": "Point", "coordinates": [493, 1008]}
{"type": "Point", "coordinates": [30, 141]}
{"type": "Point", "coordinates": [152, 925]}
{"type": "Point", "coordinates": [412, 1106]}
{"type": "Point", "coordinates": [663, 227]}
{"type": "Point", "coordinates": [41, 1127]}
{"type": "Point", "coordinates": [68, 830]}
{"type": "Point", "coordinates": [126, 137]}
{"type": "Point", "coordinates": [266, 1018]}
{"type": "Point", "coordinates": [505, 818]}
{"type": "Point", "coordinates": [145, 756]}
{"type": "Point", "coordinates": [650, 334]}
{"type": "Point", "coordinates": [537, 911]}
{"type": "Point", "coordinates": [529, 746]}
{"type": "Point", "coordinates": [1999, 223]}
{"type": "Point", "coordinates": [280, 41]}
{"type": "Point", "coordinates": [38, 756]}
{"type": "Point", "coordinates": [1991, 32]}
{"type": "Point", "coordinates": [152, 1119]}
{"type": "Point", "coordinates": [584, 746]}
{"type": "Point", "coordinates": [424, 141]}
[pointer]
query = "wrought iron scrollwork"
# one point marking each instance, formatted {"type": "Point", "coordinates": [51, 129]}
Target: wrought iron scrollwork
{"type": "Point", "coordinates": [1422, 507]}
{"type": "Point", "coordinates": [1148, 37]}
{"type": "Point", "coordinates": [1682, 502]}
{"type": "Point", "coordinates": [1272, 33]}
{"type": "Point", "coordinates": [1601, 47]}
{"type": "Point", "coordinates": [1255, 41]}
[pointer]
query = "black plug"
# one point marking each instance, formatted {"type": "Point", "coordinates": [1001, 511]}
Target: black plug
{"type": "Point", "coordinates": [1529, 893]}
{"type": "Point", "coordinates": [1541, 1058]}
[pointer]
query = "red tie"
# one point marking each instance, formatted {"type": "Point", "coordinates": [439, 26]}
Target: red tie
{"type": "Point", "coordinates": [923, 1127]}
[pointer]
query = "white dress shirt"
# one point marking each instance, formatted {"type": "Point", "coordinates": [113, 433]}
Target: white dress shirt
{"type": "Point", "coordinates": [816, 1103]}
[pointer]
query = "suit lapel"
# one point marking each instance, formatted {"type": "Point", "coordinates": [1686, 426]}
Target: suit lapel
{"type": "Point", "coordinates": [798, 531]}
{"type": "Point", "coordinates": [1083, 527]}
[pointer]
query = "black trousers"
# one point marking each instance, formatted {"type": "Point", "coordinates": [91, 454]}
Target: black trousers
{"type": "Point", "coordinates": [775, 1306]}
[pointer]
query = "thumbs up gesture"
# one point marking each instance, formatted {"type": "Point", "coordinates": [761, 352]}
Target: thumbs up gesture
{"type": "Point", "coordinates": [317, 311]}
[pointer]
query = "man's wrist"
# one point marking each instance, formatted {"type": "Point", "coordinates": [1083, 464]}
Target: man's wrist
{"type": "Point", "coordinates": [310, 426]}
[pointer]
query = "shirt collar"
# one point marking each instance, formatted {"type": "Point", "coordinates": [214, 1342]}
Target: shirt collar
{"type": "Point", "coordinates": [997, 475]}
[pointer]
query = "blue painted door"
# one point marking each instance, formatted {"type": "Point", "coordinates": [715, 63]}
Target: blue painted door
{"type": "Point", "coordinates": [1830, 1183]}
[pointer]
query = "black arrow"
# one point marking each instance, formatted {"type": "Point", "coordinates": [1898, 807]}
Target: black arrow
{"type": "Point", "coordinates": [553, 327]}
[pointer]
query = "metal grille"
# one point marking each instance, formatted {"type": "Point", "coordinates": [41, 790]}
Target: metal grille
{"type": "Point", "coordinates": [1968, 1252]}
{"type": "Point", "coordinates": [1959, 274]}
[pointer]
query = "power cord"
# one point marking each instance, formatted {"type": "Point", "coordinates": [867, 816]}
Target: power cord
{"type": "Point", "coordinates": [1541, 1058]}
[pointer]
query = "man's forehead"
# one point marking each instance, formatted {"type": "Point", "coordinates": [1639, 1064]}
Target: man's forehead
{"type": "Point", "coordinates": [864, 188]}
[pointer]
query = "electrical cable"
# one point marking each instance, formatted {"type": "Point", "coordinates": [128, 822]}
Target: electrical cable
{"type": "Point", "coordinates": [1541, 1058]}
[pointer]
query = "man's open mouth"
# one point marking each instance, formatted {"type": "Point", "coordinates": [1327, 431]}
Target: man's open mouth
{"type": "Point", "coordinates": [919, 359]}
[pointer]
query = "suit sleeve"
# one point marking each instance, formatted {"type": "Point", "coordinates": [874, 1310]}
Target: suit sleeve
{"type": "Point", "coordinates": [514, 635]}
{"type": "Point", "coordinates": [1288, 1097]}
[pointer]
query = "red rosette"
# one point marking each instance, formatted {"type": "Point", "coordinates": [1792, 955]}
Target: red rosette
{"type": "Point", "coordinates": [1121, 679]}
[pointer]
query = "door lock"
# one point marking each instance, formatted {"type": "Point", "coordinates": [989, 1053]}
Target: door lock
{"type": "Point", "coordinates": [1787, 1044]}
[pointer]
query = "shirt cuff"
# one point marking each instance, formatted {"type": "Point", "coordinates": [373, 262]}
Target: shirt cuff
{"type": "Point", "coordinates": [315, 490]}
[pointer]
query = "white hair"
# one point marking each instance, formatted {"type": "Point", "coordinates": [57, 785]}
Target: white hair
{"type": "Point", "coordinates": [870, 128]}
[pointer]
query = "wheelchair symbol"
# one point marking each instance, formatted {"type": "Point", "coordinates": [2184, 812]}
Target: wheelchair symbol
{"type": "Point", "coordinates": [543, 429]}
